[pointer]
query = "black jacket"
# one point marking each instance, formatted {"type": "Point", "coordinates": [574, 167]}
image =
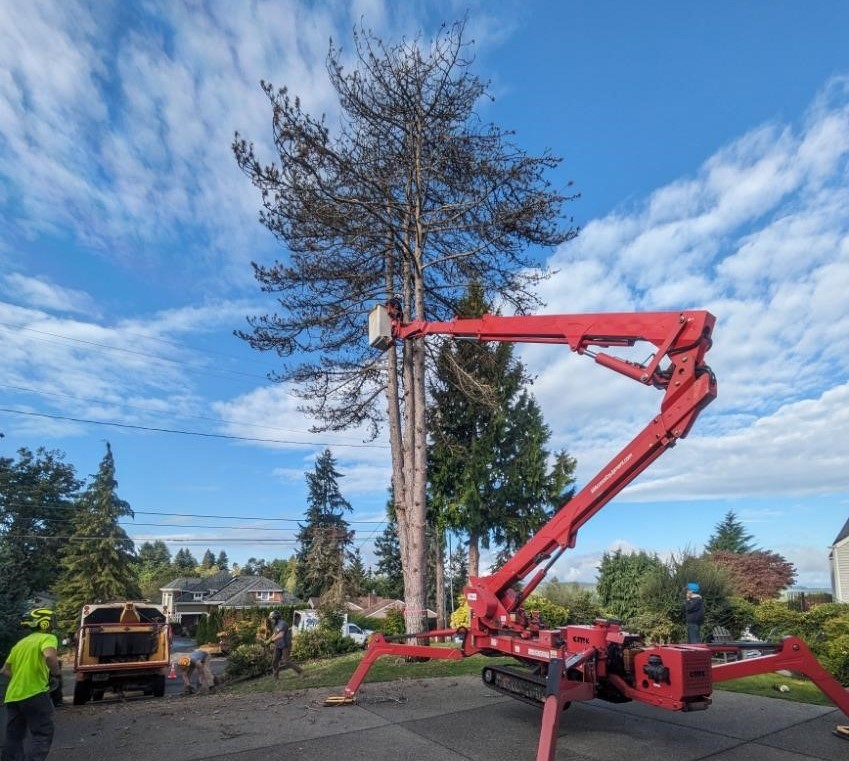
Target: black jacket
{"type": "Point", "coordinates": [694, 610]}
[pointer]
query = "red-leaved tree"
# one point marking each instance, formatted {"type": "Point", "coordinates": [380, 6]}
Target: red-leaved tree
{"type": "Point", "coordinates": [756, 576]}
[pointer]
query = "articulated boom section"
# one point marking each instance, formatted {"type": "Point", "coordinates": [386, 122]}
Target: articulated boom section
{"type": "Point", "coordinates": [680, 341]}
{"type": "Point", "coordinates": [573, 663]}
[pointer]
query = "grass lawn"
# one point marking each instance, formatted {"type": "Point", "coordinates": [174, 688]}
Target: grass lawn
{"type": "Point", "coordinates": [766, 685]}
{"type": "Point", "coordinates": [335, 672]}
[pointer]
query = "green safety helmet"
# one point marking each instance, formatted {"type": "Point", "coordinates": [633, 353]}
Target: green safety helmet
{"type": "Point", "coordinates": [40, 619]}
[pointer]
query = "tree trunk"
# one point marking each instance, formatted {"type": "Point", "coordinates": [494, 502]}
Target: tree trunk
{"type": "Point", "coordinates": [409, 476]}
{"type": "Point", "coordinates": [439, 573]}
{"type": "Point", "coordinates": [474, 554]}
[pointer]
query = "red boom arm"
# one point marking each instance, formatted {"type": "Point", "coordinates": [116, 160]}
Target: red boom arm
{"type": "Point", "coordinates": [683, 338]}
{"type": "Point", "coordinates": [580, 662]}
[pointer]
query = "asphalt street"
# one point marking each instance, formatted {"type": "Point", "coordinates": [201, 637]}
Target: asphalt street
{"type": "Point", "coordinates": [447, 719]}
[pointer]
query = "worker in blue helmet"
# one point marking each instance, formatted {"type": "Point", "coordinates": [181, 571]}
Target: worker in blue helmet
{"type": "Point", "coordinates": [694, 612]}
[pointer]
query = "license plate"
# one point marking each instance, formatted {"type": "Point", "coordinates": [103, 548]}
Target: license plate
{"type": "Point", "coordinates": [100, 677]}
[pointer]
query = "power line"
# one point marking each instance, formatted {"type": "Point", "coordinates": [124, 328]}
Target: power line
{"type": "Point", "coordinates": [313, 528]}
{"type": "Point", "coordinates": [179, 540]}
{"type": "Point", "coordinates": [170, 540]}
{"type": "Point", "coordinates": [237, 517]}
{"type": "Point", "coordinates": [154, 429]}
{"type": "Point", "coordinates": [132, 352]}
{"type": "Point", "coordinates": [72, 505]}
{"type": "Point", "coordinates": [40, 392]}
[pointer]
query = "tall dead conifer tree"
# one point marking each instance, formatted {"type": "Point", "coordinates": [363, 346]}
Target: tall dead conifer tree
{"type": "Point", "coordinates": [410, 196]}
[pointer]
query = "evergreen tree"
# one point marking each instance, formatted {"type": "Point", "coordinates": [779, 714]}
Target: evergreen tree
{"type": "Point", "coordinates": [222, 561]}
{"type": "Point", "coordinates": [12, 603]}
{"type": "Point", "coordinates": [620, 579]}
{"type": "Point", "coordinates": [37, 493]}
{"type": "Point", "coordinates": [389, 579]}
{"type": "Point", "coordinates": [156, 553]}
{"type": "Point", "coordinates": [255, 567]}
{"type": "Point", "coordinates": [356, 575]}
{"type": "Point", "coordinates": [279, 570]}
{"type": "Point", "coordinates": [458, 574]}
{"type": "Point", "coordinates": [729, 536]}
{"type": "Point", "coordinates": [324, 540]}
{"type": "Point", "coordinates": [208, 559]}
{"type": "Point", "coordinates": [488, 462]}
{"type": "Point", "coordinates": [414, 195]}
{"type": "Point", "coordinates": [184, 562]}
{"type": "Point", "coordinates": [153, 568]}
{"type": "Point", "coordinates": [97, 562]}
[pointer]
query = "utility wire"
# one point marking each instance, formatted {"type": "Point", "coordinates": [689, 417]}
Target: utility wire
{"type": "Point", "coordinates": [148, 411]}
{"type": "Point", "coordinates": [133, 352]}
{"type": "Point", "coordinates": [72, 505]}
{"type": "Point", "coordinates": [171, 540]}
{"type": "Point", "coordinates": [179, 540]}
{"type": "Point", "coordinates": [191, 433]}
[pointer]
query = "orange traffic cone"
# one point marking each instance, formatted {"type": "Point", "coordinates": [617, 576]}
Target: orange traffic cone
{"type": "Point", "coordinates": [172, 674]}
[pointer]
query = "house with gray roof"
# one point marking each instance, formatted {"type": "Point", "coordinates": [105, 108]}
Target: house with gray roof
{"type": "Point", "coordinates": [187, 599]}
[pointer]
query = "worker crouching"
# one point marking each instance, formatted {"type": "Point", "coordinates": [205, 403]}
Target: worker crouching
{"type": "Point", "coordinates": [196, 663]}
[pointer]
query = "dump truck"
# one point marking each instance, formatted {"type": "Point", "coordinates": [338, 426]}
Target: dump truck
{"type": "Point", "coordinates": [121, 646]}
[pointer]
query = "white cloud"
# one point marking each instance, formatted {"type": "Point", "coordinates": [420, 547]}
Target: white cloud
{"type": "Point", "coordinates": [799, 450]}
{"type": "Point", "coordinates": [760, 238]}
{"type": "Point", "coordinates": [272, 413]}
{"type": "Point", "coordinates": [40, 292]}
{"type": "Point", "coordinates": [137, 371]}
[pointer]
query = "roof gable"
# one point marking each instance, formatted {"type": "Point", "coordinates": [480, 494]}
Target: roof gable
{"type": "Point", "coordinates": [181, 583]}
{"type": "Point", "coordinates": [844, 533]}
{"type": "Point", "coordinates": [241, 584]}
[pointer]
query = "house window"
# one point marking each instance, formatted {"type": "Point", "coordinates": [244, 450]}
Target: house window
{"type": "Point", "coordinates": [267, 595]}
{"type": "Point", "coordinates": [197, 596]}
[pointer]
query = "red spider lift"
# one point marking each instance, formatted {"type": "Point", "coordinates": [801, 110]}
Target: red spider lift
{"type": "Point", "coordinates": [583, 662]}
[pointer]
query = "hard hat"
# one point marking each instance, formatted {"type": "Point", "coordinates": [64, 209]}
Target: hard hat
{"type": "Point", "coordinates": [184, 662]}
{"type": "Point", "coordinates": [40, 619]}
{"type": "Point", "coordinates": [693, 587]}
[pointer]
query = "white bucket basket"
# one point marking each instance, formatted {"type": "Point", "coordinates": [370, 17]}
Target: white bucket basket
{"type": "Point", "coordinates": [379, 328]}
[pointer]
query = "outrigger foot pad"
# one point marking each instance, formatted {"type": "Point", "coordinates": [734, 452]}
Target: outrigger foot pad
{"type": "Point", "coordinates": [339, 700]}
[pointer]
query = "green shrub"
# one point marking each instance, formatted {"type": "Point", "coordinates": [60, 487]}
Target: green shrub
{"type": "Point", "coordinates": [248, 660]}
{"type": "Point", "coordinates": [774, 619]}
{"type": "Point", "coordinates": [833, 649]}
{"type": "Point", "coordinates": [366, 622]}
{"type": "Point", "coordinates": [321, 643]}
{"type": "Point", "coordinates": [740, 616]}
{"type": "Point", "coordinates": [813, 626]}
{"type": "Point", "coordinates": [657, 629]}
{"type": "Point", "coordinates": [552, 614]}
{"type": "Point", "coordinates": [394, 622]}
{"type": "Point", "coordinates": [583, 607]}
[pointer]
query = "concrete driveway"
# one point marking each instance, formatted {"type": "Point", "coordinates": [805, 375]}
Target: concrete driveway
{"type": "Point", "coordinates": [447, 719]}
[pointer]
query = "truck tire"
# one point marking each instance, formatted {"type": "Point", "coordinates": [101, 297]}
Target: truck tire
{"type": "Point", "coordinates": [82, 693]}
{"type": "Point", "coordinates": [158, 685]}
{"type": "Point", "coordinates": [97, 694]}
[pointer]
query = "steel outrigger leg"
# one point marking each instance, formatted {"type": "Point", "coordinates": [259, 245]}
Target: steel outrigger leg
{"type": "Point", "coordinates": [559, 692]}
{"type": "Point", "coordinates": [378, 648]}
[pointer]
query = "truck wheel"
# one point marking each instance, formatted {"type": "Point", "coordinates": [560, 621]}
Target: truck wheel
{"type": "Point", "coordinates": [97, 694]}
{"type": "Point", "coordinates": [158, 685]}
{"type": "Point", "coordinates": [82, 693]}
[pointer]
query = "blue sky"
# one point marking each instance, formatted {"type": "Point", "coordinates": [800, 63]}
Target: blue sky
{"type": "Point", "coordinates": [710, 145]}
